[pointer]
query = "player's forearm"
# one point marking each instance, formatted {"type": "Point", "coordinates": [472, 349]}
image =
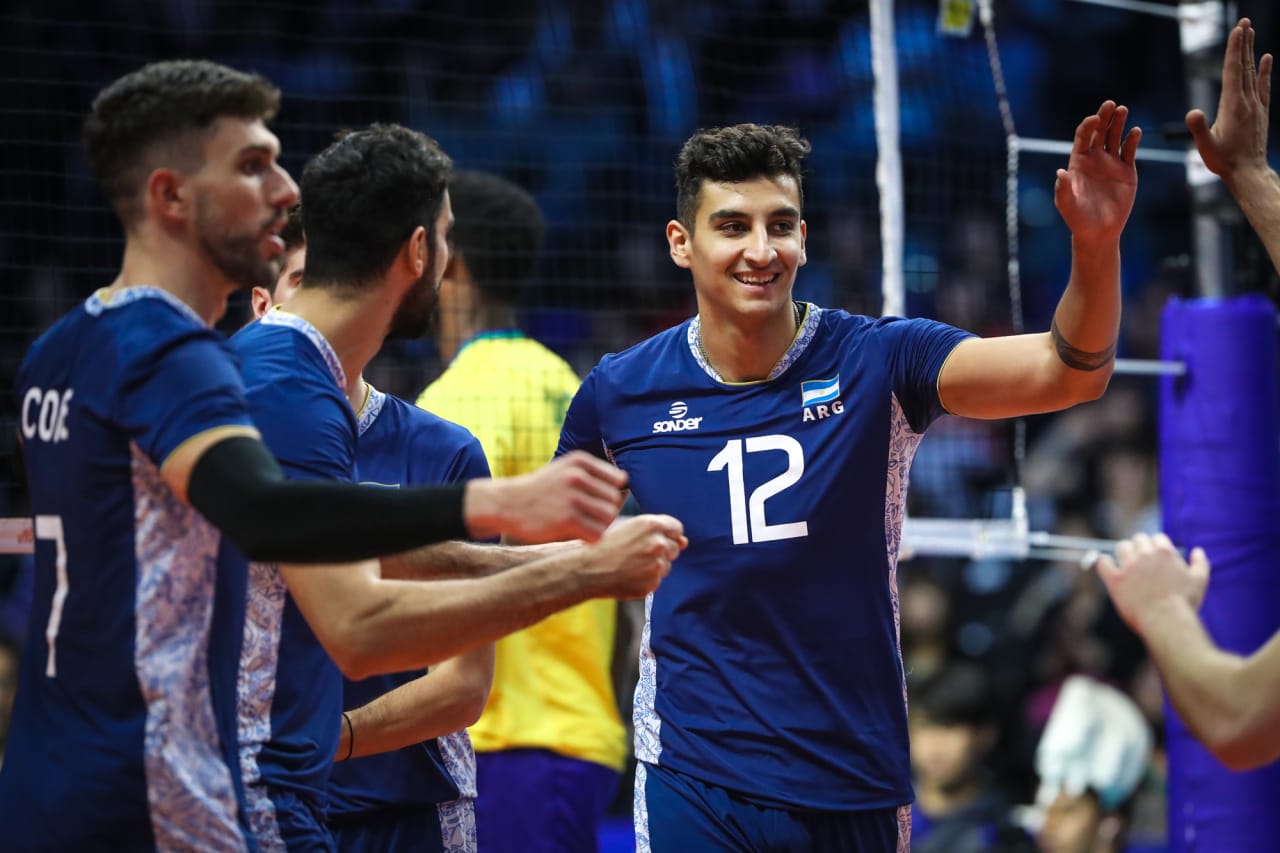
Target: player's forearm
{"type": "Point", "coordinates": [1086, 322]}
{"type": "Point", "coordinates": [1214, 692]}
{"type": "Point", "coordinates": [463, 560]}
{"type": "Point", "coordinates": [446, 700]}
{"type": "Point", "coordinates": [238, 486]}
{"type": "Point", "coordinates": [1257, 191]}
{"type": "Point", "coordinates": [409, 624]}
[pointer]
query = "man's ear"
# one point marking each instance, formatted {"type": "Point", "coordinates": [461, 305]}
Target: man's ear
{"type": "Point", "coordinates": [260, 299]}
{"type": "Point", "coordinates": [804, 232]}
{"type": "Point", "coordinates": [679, 241]}
{"type": "Point", "coordinates": [167, 195]}
{"type": "Point", "coordinates": [414, 253]}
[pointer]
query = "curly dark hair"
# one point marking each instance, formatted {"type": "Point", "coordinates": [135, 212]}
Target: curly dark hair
{"type": "Point", "coordinates": [292, 233]}
{"type": "Point", "coordinates": [364, 195]}
{"type": "Point", "coordinates": [735, 154]}
{"type": "Point", "coordinates": [138, 122]}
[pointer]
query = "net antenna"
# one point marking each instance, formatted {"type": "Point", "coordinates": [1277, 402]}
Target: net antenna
{"type": "Point", "coordinates": [1010, 537]}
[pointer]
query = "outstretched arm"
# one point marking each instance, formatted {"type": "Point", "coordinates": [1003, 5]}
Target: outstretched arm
{"type": "Point", "coordinates": [1230, 703]}
{"type": "Point", "coordinates": [231, 477]}
{"type": "Point", "coordinates": [1235, 148]}
{"type": "Point", "coordinates": [1024, 374]}
{"type": "Point", "coordinates": [448, 698]}
{"type": "Point", "coordinates": [465, 559]}
{"type": "Point", "coordinates": [369, 625]}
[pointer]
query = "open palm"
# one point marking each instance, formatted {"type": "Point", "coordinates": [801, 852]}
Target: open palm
{"type": "Point", "coordinates": [1095, 192]}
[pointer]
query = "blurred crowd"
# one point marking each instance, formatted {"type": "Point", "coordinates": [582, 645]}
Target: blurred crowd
{"type": "Point", "coordinates": [584, 103]}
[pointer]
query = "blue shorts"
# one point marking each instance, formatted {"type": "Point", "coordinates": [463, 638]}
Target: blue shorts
{"type": "Point", "coordinates": [446, 828]}
{"type": "Point", "coordinates": [675, 813]}
{"type": "Point", "coordinates": [537, 801]}
{"type": "Point", "coordinates": [297, 822]}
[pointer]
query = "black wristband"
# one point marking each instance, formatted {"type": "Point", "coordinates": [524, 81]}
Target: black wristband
{"type": "Point", "coordinates": [1078, 359]}
{"type": "Point", "coordinates": [351, 736]}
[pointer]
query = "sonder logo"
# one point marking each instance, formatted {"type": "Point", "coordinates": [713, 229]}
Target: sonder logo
{"type": "Point", "coordinates": [820, 398]}
{"type": "Point", "coordinates": [678, 422]}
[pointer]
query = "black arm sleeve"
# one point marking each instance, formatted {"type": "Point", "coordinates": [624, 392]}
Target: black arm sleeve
{"type": "Point", "coordinates": [239, 487]}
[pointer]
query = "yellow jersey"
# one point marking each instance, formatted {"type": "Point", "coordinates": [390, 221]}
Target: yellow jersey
{"type": "Point", "coordinates": [552, 687]}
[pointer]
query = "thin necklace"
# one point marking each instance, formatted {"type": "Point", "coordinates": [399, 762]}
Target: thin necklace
{"type": "Point", "coordinates": [795, 307]}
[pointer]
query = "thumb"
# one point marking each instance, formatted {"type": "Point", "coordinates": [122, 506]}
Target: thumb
{"type": "Point", "coordinates": [1199, 567]}
{"type": "Point", "coordinates": [1106, 569]}
{"type": "Point", "coordinates": [1199, 127]}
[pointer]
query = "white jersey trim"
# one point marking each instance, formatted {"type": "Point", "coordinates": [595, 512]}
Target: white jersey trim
{"type": "Point", "coordinates": [804, 337]}
{"type": "Point", "coordinates": [644, 719]}
{"type": "Point", "coordinates": [458, 825]}
{"type": "Point", "coordinates": [255, 694]}
{"type": "Point", "coordinates": [279, 317]}
{"type": "Point", "coordinates": [96, 304]}
{"type": "Point", "coordinates": [190, 790]}
{"type": "Point", "coordinates": [903, 442]}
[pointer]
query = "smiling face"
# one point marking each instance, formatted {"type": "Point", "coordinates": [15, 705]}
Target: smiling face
{"type": "Point", "coordinates": [744, 248]}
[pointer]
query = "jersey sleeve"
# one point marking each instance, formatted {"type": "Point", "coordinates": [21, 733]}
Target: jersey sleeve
{"type": "Point", "coordinates": [582, 430]}
{"type": "Point", "coordinates": [468, 463]}
{"type": "Point", "coordinates": [296, 403]}
{"type": "Point", "coordinates": [177, 387]}
{"type": "Point", "coordinates": [308, 427]}
{"type": "Point", "coordinates": [916, 351]}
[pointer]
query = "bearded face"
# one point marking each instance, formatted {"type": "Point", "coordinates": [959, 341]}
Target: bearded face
{"type": "Point", "coordinates": [413, 318]}
{"type": "Point", "coordinates": [237, 252]}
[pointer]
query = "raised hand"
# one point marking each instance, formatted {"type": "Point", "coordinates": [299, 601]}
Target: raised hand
{"type": "Point", "coordinates": [1238, 138]}
{"type": "Point", "coordinates": [1150, 575]}
{"type": "Point", "coordinates": [573, 497]}
{"type": "Point", "coordinates": [1095, 192]}
{"type": "Point", "coordinates": [633, 557]}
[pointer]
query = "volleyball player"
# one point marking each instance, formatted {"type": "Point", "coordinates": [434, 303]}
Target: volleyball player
{"type": "Point", "coordinates": [375, 213]}
{"type": "Point", "coordinates": [406, 777]}
{"type": "Point", "coordinates": [552, 721]}
{"type": "Point", "coordinates": [141, 457]}
{"type": "Point", "coordinates": [408, 782]}
{"type": "Point", "coordinates": [1235, 148]}
{"type": "Point", "coordinates": [771, 710]}
{"type": "Point", "coordinates": [1231, 703]}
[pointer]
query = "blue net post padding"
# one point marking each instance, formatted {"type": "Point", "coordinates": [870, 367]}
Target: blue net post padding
{"type": "Point", "coordinates": [1220, 489]}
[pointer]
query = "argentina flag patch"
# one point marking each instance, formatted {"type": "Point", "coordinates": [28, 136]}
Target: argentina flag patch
{"type": "Point", "coordinates": [819, 390]}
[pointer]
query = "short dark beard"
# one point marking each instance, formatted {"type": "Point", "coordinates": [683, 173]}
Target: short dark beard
{"type": "Point", "coordinates": [237, 257]}
{"type": "Point", "coordinates": [413, 316]}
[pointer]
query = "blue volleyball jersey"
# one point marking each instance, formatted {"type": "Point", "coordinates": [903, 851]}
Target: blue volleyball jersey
{"type": "Point", "coordinates": [290, 689]}
{"type": "Point", "coordinates": [123, 732]}
{"type": "Point", "coordinates": [402, 445]}
{"type": "Point", "coordinates": [770, 662]}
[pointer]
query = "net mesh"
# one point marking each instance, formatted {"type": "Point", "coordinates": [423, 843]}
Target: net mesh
{"type": "Point", "coordinates": [586, 104]}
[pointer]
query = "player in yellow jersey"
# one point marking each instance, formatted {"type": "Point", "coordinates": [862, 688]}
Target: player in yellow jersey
{"type": "Point", "coordinates": [550, 745]}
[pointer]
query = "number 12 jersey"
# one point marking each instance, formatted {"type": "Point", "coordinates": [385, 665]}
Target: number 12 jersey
{"type": "Point", "coordinates": [770, 663]}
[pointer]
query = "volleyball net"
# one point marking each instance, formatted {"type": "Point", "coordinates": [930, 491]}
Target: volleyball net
{"type": "Point", "coordinates": [929, 191]}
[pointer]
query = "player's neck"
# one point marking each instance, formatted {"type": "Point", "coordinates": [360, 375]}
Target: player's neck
{"type": "Point", "coordinates": [203, 290]}
{"type": "Point", "coordinates": [747, 353]}
{"type": "Point", "coordinates": [354, 325]}
{"type": "Point", "coordinates": [358, 393]}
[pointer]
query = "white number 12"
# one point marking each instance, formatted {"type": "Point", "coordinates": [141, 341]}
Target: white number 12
{"type": "Point", "coordinates": [742, 508]}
